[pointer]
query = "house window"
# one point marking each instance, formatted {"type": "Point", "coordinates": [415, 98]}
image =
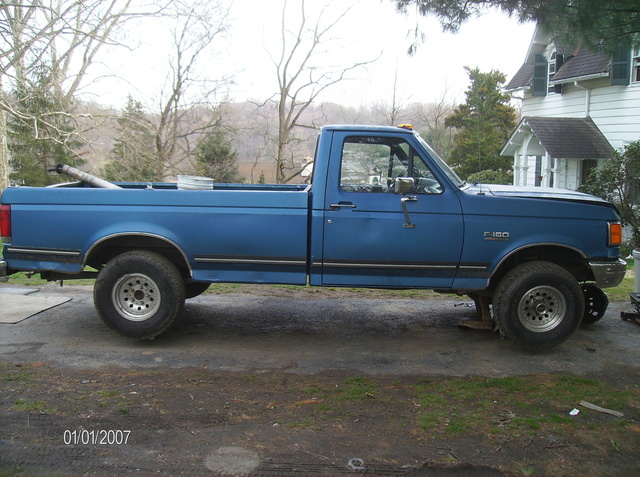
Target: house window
{"type": "Point", "coordinates": [635, 62]}
{"type": "Point", "coordinates": [538, 178]}
{"type": "Point", "coordinates": [588, 166]}
{"type": "Point", "coordinates": [552, 71]}
{"type": "Point", "coordinates": [555, 63]}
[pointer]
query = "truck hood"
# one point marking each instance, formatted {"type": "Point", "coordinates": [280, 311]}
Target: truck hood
{"type": "Point", "coordinates": [499, 190]}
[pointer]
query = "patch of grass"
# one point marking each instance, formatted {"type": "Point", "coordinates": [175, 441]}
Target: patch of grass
{"type": "Point", "coordinates": [512, 384]}
{"type": "Point", "coordinates": [558, 419]}
{"type": "Point", "coordinates": [621, 292]}
{"type": "Point", "coordinates": [107, 394]}
{"type": "Point", "coordinates": [24, 405]}
{"type": "Point", "coordinates": [16, 374]}
{"type": "Point", "coordinates": [573, 389]}
{"type": "Point", "coordinates": [527, 422]}
{"type": "Point", "coordinates": [357, 389]}
{"type": "Point", "coordinates": [323, 409]}
{"type": "Point", "coordinates": [482, 406]}
{"type": "Point", "coordinates": [307, 423]}
{"type": "Point", "coordinates": [432, 420]}
{"type": "Point", "coordinates": [317, 392]}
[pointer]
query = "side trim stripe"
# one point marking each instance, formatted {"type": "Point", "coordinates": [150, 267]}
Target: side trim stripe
{"type": "Point", "coordinates": [285, 261]}
{"type": "Point", "coordinates": [43, 251]}
{"type": "Point", "coordinates": [401, 265]}
{"type": "Point", "coordinates": [395, 265]}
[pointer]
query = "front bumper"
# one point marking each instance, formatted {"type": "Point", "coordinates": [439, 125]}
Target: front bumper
{"type": "Point", "coordinates": [3, 271]}
{"type": "Point", "coordinates": [608, 273]}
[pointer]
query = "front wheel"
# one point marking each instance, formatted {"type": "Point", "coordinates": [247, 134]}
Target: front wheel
{"type": "Point", "coordinates": [538, 305]}
{"type": "Point", "coordinates": [139, 294]}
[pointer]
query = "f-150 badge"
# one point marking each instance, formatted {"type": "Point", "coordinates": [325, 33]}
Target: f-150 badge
{"type": "Point", "coordinates": [501, 236]}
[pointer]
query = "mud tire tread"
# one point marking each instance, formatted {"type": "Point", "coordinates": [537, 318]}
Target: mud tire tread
{"type": "Point", "coordinates": [170, 286]}
{"type": "Point", "coordinates": [521, 279]}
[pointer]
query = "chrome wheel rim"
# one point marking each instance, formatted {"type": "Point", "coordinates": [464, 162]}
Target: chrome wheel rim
{"type": "Point", "coordinates": [542, 309]}
{"type": "Point", "coordinates": [136, 297]}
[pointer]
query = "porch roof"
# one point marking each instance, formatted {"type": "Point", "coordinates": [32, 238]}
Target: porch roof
{"type": "Point", "coordinates": [577, 138]}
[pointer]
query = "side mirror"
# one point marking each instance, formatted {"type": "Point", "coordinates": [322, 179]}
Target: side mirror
{"type": "Point", "coordinates": [403, 185]}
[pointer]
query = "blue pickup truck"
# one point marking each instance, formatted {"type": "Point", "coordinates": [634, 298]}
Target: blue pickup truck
{"type": "Point", "coordinates": [383, 210]}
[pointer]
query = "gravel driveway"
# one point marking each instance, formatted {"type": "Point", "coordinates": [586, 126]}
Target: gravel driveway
{"type": "Point", "coordinates": [207, 397]}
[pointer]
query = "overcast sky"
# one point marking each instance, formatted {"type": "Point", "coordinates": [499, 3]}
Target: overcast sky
{"type": "Point", "coordinates": [370, 29]}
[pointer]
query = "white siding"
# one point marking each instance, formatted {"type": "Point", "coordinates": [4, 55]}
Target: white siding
{"type": "Point", "coordinates": [566, 173]}
{"type": "Point", "coordinates": [572, 174]}
{"type": "Point", "coordinates": [555, 105]}
{"type": "Point", "coordinates": [614, 109]}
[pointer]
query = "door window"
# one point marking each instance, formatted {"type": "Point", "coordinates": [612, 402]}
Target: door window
{"type": "Point", "coordinates": [372, 164]}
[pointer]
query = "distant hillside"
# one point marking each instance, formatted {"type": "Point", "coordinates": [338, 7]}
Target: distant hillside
{"type": "Point", "coordinates": [253, 132]}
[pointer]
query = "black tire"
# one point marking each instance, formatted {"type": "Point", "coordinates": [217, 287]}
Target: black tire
{"type": "Point", "coordinates": [538, 305]}
{"type": "Point", "coordinates": [596, 303]}
{"type": "Point", "coordinates": [139, 294]}
{"type": "Point", "coordinates": [194, 289]}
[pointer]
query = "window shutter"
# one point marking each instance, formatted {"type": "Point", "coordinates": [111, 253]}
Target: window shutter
{"type": "Point", "coordinates": [540, 73]}
{"type": "Point", "coordinates": [621, 67]}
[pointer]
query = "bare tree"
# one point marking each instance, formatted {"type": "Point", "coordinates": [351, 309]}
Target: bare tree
{"type": "Point", "coordinates": [396, 109]}
{"type": "Point", "coordinates": [262, 128]}
{"type": "Point", "coordinates": [63, 35]}
{"type": "Point", "coordinates": [301, 77]}
{"type": "Point", "coordinates": [197, 25]}
{"type": "Point", "coordinates": [432, 117]}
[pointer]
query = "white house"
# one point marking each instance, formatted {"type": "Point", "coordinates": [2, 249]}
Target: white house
{"type": "Point", "coordinates": [577, 106]}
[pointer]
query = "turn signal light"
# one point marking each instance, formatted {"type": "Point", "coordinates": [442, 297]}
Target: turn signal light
{"type": "Point", "coordinates": [615, 234]}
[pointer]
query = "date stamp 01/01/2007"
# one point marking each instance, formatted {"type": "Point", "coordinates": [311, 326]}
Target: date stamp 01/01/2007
{"type": "Point", "coordinates": [102, 437]}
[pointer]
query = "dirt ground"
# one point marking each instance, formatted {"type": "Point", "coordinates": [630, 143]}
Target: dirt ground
{"type": "Point", "coordinates": [203, 420]}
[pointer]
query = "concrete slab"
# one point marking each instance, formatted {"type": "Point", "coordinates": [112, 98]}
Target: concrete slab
{"type": "Point", "coordinates": [15, 308]}
{"type": "Point", "coordinates": [17, 291]}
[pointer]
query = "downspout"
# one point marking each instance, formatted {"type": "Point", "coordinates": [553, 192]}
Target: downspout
{"type": "Point", "coordinates": [587, 99]}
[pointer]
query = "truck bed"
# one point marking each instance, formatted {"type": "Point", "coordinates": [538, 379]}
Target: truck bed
{"type": "Point", "coordinates": [213, 229]}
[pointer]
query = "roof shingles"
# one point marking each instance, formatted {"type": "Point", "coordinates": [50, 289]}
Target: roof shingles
{"type": "Point", "coordinates": [585, 63]}
{"type": "Point", "coordinates": [581, 64]}
{"type": "Point", "coordinates": [577, 138]}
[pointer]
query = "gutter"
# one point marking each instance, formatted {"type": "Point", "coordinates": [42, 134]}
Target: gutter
{"type": "Point", "coordinates": [580, 78]}
{"type": "Point", "coordinates": [587, 99]}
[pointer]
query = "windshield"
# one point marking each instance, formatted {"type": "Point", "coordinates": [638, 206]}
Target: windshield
{"type": "Point", "coordinates": [443, 165]}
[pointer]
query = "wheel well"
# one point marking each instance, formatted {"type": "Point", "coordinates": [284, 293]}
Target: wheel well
{"type": "Point", "coordinates": [106, 250]}
{"type": "Point", "coordinates": [569, 259]}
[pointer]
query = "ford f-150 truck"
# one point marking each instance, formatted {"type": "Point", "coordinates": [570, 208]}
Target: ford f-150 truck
{"type": "Point", "coordinates": [383, 210]}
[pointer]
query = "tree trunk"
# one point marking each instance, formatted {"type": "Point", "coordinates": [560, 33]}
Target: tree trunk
{"type": "Point", "coordinates": [4, 152]}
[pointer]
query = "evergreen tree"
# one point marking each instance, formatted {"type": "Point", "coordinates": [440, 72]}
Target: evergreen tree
{"type": "Point", "coordinates": [616, 180]}
{"type": "Point", "coordinates": [216, 158]}
{"type": "Point", "coordinates": [41, 134]}
{"type": "Point", "coordinates": [484, 124]}
{"type": "Point", "coordinates": [599, 24]}
{"type": "Point", "coordinates": [133, 156]}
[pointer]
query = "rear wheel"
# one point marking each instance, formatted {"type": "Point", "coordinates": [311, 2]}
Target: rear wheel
{"type": "Point", "coordinates": [538, 304]}
{"type": "Point", "coordinates": [139, 294]}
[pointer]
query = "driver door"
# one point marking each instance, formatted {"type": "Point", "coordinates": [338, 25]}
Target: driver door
{"type": "Point", "coordinates": [367, 239]}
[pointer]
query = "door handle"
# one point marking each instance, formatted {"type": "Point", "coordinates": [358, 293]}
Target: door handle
{"type": "Point", "coordinates": [342, 205]}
